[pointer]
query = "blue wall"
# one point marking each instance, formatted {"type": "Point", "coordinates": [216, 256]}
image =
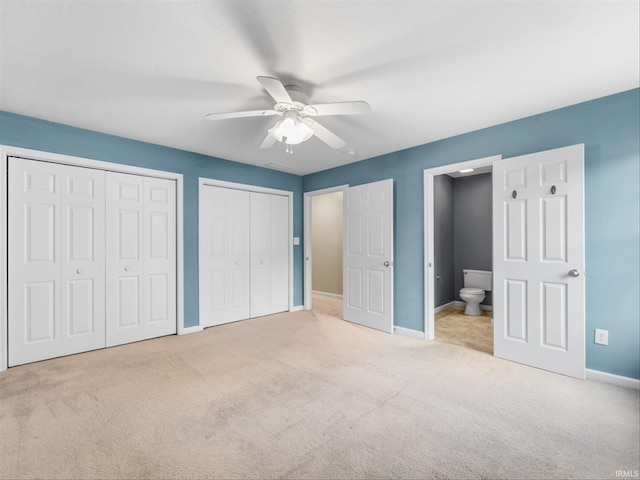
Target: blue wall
{"type": "Point", "coordinates": [609, 127]}
{"type": "Point", "coordinates": [20, 131]}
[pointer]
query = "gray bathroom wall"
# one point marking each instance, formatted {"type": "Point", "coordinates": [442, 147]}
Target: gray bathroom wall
{"type": "Point", "coordinates": [443, 240]}
{"type": "Point", "coordinates": [472, 237]}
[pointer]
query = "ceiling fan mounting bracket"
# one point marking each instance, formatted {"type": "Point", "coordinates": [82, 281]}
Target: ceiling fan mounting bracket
{"type": "Point", "coordinates": [296, 94]}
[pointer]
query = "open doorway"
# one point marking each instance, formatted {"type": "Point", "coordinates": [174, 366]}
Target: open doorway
{"type": "Point", "coordinates": [537, 266]}
{"type": "Point", "coordinates": [463, 245]}
{"type": "Point", "coordinates": [323, 243]}
{"type": "Point", "coordinates": [458, 237]}
{"type": "Point", "coordinates": [367, 253]}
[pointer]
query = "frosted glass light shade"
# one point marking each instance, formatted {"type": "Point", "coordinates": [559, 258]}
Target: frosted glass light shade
{"type": "Point", "coordinates": [291, 130]}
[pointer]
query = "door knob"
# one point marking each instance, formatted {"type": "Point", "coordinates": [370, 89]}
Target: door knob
{"type": "Point", "coordinates": [126, 269]}
{"type": "Point", "coordinates": [80, 271]}
{"type": "Point", "coordinates": [574, 273]}
{"type": "Point", "coordinates": [386, 264]}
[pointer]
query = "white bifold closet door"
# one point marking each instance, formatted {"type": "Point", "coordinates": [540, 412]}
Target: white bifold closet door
{"type": "Point", "coordinates": [56, 260]}
{"type": "Point", "coordinates": [244, 254]}
{"type": "Point", "coordinates": [92, 259]}
{"type": "Point", "coordinates": [141, 258]}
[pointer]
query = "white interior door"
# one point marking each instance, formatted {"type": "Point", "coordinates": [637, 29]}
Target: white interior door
{"type": "Point", "coordinates": [538, 256]}
{"type": "Point", "coordinates": [141, 262]}
{"type": "Point", "coordinates": [224, 253]}
{"type": "Point", "coordinates": [56, 260]}
{"type": "Point", "coordinates": [368, 255]}
{"type": "Point", "coordinates": [269, 254]}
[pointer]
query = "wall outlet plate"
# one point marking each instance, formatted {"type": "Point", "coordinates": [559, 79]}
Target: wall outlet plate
{"type": "Point", "coordinates": [601, 337]}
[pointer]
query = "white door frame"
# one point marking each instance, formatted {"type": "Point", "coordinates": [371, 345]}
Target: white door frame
{"type": "Point", "coordinates": [429, 241]}
{"type": "Point", "coordinates": [307, 239]}
{"type": "Point", "coordinates": [10, 151]}
{"type": "Point", "coordinates": [211, 182]}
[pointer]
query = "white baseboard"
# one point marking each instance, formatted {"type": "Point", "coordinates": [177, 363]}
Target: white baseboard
{"type": "Point", "coordinates": [408, 332]}
{"type": "Point", "coordinates": [188, 330]}
{"type": "Point", "coordinates": [296, 308]}
{"type": "Point", "coordinates": [327, 294]}
{"type": "Point", "coordinates": [611, 378]}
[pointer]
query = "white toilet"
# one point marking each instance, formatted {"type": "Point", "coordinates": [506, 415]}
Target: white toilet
{"type": "Point", "coordinates": [476, 282]}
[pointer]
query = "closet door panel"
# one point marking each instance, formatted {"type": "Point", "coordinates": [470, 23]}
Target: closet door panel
{"type": "Point", "coordinates": [124, 276]}
{"type": "Point", "coordinates": [159, 257]}
{"type": "Point", "coordinates": [238, 266]}
{"type": "Point", "coordinates": [269, 254]}
{"type": "Point", "coordinates": [224, 255]}
{"type": "Point", "coordinates": [260, 254]}
{"type": "Point", "coordinates": [82, 209]}
{"type": "Point", "coordinates": [33, 262]}
{"type": "Point", "coordinates": [56, 260]}
{"type": "Point", "coordinates": [141, 258]}
{"type": "Point", "coordinates": [279, 253]}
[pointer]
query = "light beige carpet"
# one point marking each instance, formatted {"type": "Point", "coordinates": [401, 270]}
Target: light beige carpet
{"type": "Point", "coordinates": [306, 395]}
{"type": "Point", "coordinates": [327, 305]}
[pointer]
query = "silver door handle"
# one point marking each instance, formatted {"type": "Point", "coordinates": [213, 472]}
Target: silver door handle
{"type": "Point", "coordinates": [574, 273]}
{"type": "Point", "coordinates": [386, 264]}
{"type": "Point", "coordinates": [126, 269]}
{"type": "Point", "coordinates": [80, 271]}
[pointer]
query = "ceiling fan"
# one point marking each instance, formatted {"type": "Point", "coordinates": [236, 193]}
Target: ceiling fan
{"type": "Point", "coordinates": [296, 125]}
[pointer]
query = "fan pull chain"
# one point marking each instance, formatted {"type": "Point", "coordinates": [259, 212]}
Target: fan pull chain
{"type": "Point", "coordinates": [287, 148]}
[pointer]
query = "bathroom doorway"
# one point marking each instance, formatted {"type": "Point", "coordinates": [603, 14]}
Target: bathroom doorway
{"type": "Point", "coordinates": [458, 234]}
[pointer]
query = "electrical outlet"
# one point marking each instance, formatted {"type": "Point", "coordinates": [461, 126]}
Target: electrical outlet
{"type": "Point", "coordinates": [602, 337]}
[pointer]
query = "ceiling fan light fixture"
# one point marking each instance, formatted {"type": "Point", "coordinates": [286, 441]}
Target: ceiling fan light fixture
{"type": "Point", "coordinates": [291, 130]}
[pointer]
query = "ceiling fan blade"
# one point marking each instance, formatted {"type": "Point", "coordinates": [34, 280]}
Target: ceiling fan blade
{"type": "Point", "coordinates": [248, 113]}
{"type": "Point", "coordinates": [338, 108]}
{"type": "Point", "coordinates": [276, 89]}
{"type": "Point", "coordinates": [268, 141]}
{"type": "Point", "coordinates": [324, 134]}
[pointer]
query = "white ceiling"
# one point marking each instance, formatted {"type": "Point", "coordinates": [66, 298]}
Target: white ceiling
{"type": "Point", "coordinates": [152, 70]}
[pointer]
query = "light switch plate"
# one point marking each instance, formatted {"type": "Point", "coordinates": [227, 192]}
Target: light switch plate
{"type": "Point", "coordinates": [601, 337]}
{"type": "Point", "coordinates": [296, 240]}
